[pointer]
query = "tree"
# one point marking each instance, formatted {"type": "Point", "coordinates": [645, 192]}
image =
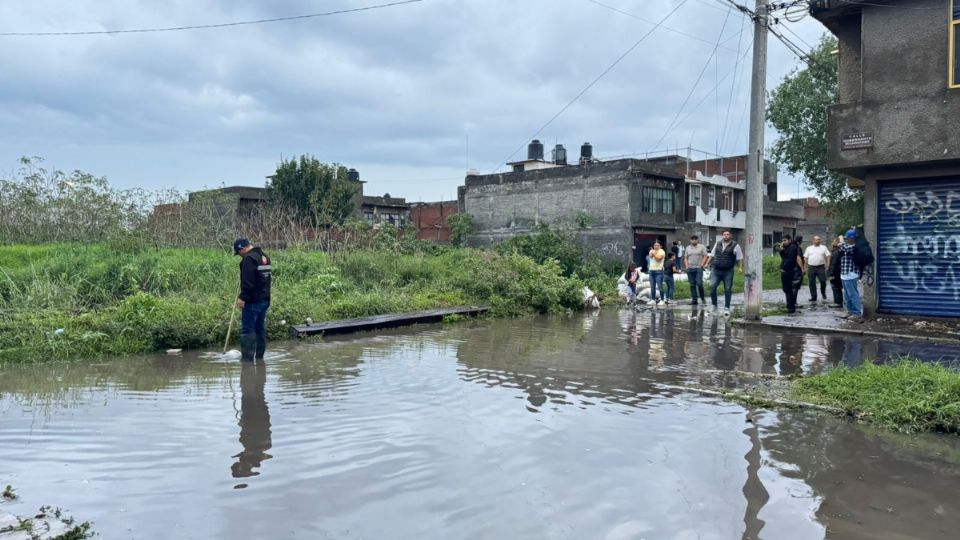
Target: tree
{"type": "Point", "coordinates": [461, 226]}
{"type": "Point", "coordinates": [315, 191]}
{"type": "Point", "coordinates": [798, 109]}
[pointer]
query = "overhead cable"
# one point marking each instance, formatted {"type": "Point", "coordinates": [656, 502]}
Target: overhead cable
{"type": "Point", "coordinates": [695, 83]}
{"type": "Point", "coordinates": [595, 81]}
{"type": "Point", "coordinates": [207, 26]}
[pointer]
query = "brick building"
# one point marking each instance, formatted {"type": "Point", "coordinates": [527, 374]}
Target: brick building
{"type": "Point", "coordinates": [431, 220]}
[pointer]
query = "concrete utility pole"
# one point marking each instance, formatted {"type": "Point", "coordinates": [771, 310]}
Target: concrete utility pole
{"type": "Point", "coordinates": [753, 284]}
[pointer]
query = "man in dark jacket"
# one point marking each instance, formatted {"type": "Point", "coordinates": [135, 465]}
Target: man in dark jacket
{"type": "Point", "coordinates": [254, 299]}
{"type": "Point", "coordinates": [791, 265]}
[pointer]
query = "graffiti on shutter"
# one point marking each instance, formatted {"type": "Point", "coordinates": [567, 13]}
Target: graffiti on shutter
{"type": "Point", "coordinates": [918, 252]}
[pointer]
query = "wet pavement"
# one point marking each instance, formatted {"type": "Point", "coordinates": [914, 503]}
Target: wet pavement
{"type": "Point", "coordinates": [824, 316]}
{"type": "Point", "coordinates": [548, 427]}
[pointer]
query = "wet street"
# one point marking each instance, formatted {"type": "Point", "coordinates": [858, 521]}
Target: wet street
{"type": "Point", "coordinates": [547, 427]}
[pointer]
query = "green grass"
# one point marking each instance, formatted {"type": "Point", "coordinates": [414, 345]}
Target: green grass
{"type": "Point", "coordinates": [907, 395]}
{"type": "Point", "coordinates": [61, 301]}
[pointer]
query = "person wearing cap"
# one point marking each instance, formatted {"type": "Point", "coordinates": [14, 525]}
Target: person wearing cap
{"type": "Point", "coordinates": [254, 299]}
{"type": "Point", "coordinates": [850, 277]}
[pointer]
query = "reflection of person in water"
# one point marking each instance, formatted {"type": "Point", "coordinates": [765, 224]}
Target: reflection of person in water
{"type": "Point", "coordinates": [254, 420]}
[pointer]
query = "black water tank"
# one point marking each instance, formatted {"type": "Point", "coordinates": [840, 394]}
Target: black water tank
{"type": "Point", "coordinates": [353, 175]}
{"type": "Point", "coordinates": [559, 155]}
{"type": "Point", "coordinates": [535, 150]}
{"type": "Point", "coordinates": [586, 152]}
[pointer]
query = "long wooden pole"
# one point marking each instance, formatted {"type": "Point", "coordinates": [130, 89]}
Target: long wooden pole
{"type": "Point", "coordinates": [233, 315]}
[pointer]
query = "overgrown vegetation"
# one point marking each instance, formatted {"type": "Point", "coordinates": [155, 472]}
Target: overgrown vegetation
{"type": "Point", "coordinates": [318, 192]}
{"type": "Point", "coordinates": [906, 395]}
{"type": "Point", "coordinates": [60, 301]}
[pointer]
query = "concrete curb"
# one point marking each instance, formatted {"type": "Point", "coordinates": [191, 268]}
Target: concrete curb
{"type": "Point", "coordinates": [745, 397]}
{"type": "Point", "coordinates": [849, 331]}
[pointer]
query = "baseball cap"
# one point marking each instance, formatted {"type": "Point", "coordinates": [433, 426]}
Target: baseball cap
{"type": "Point", "coordinates": [850, 234]}
{"type": "Point", "coordinates": [239, 244]}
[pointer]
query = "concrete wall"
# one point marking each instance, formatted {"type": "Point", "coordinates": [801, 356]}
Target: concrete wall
{"type": "Point", "coordinates": [894, 84]}
{"type": "Point", "coordinates": [508, 204]}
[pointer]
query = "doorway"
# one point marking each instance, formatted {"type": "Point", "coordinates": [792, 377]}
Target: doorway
{"type": "Point", "coordinates": [642, 243]}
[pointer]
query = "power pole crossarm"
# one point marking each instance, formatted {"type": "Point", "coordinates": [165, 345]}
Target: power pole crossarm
{"type": "Point", "coordinates": [753, 282]}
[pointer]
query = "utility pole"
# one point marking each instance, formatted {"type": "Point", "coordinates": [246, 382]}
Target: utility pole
{"type": "Point", "coordinates": [753, 284]}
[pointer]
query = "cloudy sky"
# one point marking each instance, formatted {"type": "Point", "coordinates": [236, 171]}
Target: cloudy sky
{"type": "Point", "coordinates": [395, 92]}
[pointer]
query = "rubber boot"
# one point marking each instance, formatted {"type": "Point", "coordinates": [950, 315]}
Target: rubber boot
{"type": "Point", "coordinates": [261, 346]}
{"type": "Point", "coordinates": [248, 343]}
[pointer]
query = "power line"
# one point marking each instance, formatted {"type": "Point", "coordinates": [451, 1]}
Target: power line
{"type": "Point", "coordinates": [639, 18]}
{"type": "Point", "coordinates": [207, 26]}
{"type": "Point", "coordinates": [697, 82]}
{"type": "Point", "coordinates": [715, 89]}
{"type": "Point", "coordinates": [596, 80]}
{"type": "Point", "coordinates": [733, 85]}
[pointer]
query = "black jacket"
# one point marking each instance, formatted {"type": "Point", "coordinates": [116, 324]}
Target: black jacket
{"type": "Point", "coordinates": [835, 263]}
{"type": "Point", "coordinates": [255, 273]}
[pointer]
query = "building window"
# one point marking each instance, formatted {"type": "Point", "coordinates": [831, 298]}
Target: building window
{"type": "Point", "coordinates": [954, 40]}
{"type": "Point", "coordinates": [368, 216]}
{"type": "Point", "coordinates": [694, 195]}
{"type": "Point", "coordinates": [657, 200]}
{"type": "Point", "coordinates": [726, 199]}
{"type": "Point", "coordinates": [711, 197]}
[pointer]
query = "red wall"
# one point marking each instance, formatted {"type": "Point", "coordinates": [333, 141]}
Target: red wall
{"type": "Point", "coordinates": [431, 220]}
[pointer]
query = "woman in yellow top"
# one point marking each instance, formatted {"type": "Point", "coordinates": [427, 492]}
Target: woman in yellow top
{"type": "Point", "coordinates": [656, 257]}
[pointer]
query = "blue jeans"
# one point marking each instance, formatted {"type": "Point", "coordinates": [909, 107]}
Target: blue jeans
{"type": "Point", "coordinates": [656, 283]}
{"type": "Point", "coordinates": [668, 283]}
{"type": "Point", "coordinates": [695, 278]}
{"type": "Point", "coordinates": [253, 318]}
{"type": "Point", "coordinates": [715, 278]}
{"type": "Point", "coordinates": [851, 297]}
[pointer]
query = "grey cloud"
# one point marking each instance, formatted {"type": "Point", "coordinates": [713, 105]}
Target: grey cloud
{"type": "Point", "coordinates": [397, 89]}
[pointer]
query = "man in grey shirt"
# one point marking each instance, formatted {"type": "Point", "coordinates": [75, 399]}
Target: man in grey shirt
{"type": "Point", "coordinates": [694, 259]}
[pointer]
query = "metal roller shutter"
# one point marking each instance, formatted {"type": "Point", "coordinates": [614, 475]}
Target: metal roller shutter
{"type": "Point", "coordinates": [918, 252]}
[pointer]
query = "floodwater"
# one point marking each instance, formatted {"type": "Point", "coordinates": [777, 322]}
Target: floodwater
{"type": "Point", "coordinates": [540, 428]}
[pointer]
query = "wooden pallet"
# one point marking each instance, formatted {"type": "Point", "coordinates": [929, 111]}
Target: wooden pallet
{"type": "Point", "coordinates": [345, 326]}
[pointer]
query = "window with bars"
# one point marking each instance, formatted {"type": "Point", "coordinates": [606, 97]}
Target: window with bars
{"type": "Point", "coordinates": [694, 195]}
{"type": "Point", "coordinates": [954, 41]}
{"type": "Point", "coordinates": [657, 200]}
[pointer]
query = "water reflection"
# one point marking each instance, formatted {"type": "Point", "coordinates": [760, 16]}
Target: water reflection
{"type": "Point", "coordinates": [557, 427]}
{"type": "Point", "coordinates": [254, 421]}
{"type": "Point", "coordinates": [753, 490]}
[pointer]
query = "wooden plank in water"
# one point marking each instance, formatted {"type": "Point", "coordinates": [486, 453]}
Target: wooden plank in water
{"type": "Point", "coordinates": [344, 326]}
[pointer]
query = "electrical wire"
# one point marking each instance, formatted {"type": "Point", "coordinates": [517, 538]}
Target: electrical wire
{"type": "Point", "coordinates": [207, 26]}
{"type": "Point", "coordinates": [733, 85]}
{"type": "Point", "coordinates": [665, 27]}
{"type": "Point", "coordinates": [697, 82]}
{"type": "Point", "coordinates": [594, 81]}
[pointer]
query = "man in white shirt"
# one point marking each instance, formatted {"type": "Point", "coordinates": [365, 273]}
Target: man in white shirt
{"type": "Point", "coordinates": [817, 259]}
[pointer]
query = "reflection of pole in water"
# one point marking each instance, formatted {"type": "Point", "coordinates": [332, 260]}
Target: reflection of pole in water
{"type": "Point", "coordinates": [753, 491]}
{"type": "Point", "coordinates": [254, 421]}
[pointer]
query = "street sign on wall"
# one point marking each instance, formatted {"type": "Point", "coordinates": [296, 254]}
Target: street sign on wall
{"type": "Point", "coordinates": [856, 141]}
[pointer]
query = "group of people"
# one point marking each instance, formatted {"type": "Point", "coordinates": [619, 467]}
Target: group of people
{"type": "Point", "coordinates": [844, 263]}
{"type": "Point", "coordinates": [693, 259]}
{"type": "Point", "coordinates": [841, 265]}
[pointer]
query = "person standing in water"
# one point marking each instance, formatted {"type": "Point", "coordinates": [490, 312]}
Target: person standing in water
{"type": "Point", "coordinates": [254, 299]}
{"type": "Point", "coordinates": [657, 258]}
